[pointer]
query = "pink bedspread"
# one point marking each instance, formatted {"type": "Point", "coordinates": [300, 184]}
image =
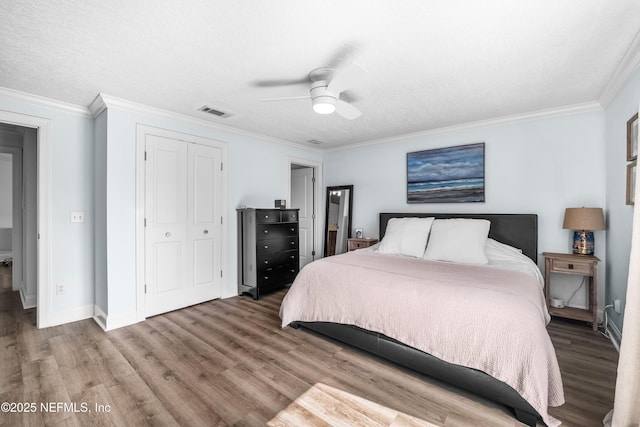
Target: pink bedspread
{"type": "Point", "coordinates": [484, 318]}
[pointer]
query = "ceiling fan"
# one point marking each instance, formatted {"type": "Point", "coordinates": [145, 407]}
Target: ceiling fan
{"type": "Point", "coordinates": [326, 87]}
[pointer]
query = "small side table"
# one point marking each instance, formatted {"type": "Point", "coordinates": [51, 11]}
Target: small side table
{"type": "Point", "coordinates": [581, 265]}
{"type": "Point", "coordinates": [353, 244]}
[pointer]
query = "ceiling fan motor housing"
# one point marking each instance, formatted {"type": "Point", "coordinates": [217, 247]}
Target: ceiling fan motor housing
{"type": "Point", "coordinates": [323, 101]}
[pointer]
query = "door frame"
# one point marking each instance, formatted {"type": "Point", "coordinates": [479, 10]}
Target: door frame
{"type": "Point", "coordinates": [317, 202]}
{"type": "Point", "coordinates": [141, 132]}
{"type": "Point", "coordinates": [43, 130]}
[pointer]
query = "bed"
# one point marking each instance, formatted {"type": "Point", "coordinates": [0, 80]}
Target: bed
{"type": "Point", "coordinates": [432, 323]}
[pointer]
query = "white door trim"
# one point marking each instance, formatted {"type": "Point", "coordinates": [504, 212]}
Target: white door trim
{"type": "Point", "coordinates": [43, 126]}
{"type": "Point", "coordinates": [141, 132]}
{"type": "Point", "coordinates": [319, 213]}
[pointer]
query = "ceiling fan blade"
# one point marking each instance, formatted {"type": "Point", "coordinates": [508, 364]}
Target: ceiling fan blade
{"type": "Point", "coordinates": [286, 98]}
{"type": "Point", "coordinates": [347, 77]}
{"type": "Point", "coordinates": [279, 82]}
{"type": "Point", "coordinates": [347, 110]}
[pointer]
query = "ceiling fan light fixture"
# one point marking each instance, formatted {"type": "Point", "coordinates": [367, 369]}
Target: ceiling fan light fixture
{"type": "Point", "coordinates": [324, 104]}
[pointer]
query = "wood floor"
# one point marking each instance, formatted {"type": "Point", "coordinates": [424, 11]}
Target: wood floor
{"type": "Point", "coordinates": [228, 362]}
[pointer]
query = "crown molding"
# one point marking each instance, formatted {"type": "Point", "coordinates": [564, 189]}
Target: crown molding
{"type": "Point", "coordinates": [500, 121]}
{"type": "Point", "coordinates": [43, 101]}
{"type": "Point", "coordinates": [628, 65]}
{"type": "Point", "coordinates": [104, 101]}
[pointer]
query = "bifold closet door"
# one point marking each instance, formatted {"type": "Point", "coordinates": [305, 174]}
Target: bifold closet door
{"type": "Point", "coordinates": [183, 224]}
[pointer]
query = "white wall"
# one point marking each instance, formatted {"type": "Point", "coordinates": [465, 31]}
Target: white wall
{"type": "Point", "coordinates": [100, 209]}
{"type": "Point", "coordinates": [6, 192]}
{"type": "Point", "coordinates": [619, 214]}
{"type": "Point", "coordinates": [256, 176]}
{"type": "Point", "coordinates": [540, 166]}
{"type": "Point", "coordinates": [71, 181]}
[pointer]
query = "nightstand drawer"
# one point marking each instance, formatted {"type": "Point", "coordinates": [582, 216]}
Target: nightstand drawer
{"type": "Point", "coordinates": [356, 243]}
{"type": "Point", "coordinates": [563, 266]}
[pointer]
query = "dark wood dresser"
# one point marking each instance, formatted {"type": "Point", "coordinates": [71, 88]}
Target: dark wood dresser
{"type": "Point", "coordinates": [267, 249]}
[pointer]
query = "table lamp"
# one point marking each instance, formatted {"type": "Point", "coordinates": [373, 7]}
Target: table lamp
{"type": "Point", "coordinates": [583, 221]}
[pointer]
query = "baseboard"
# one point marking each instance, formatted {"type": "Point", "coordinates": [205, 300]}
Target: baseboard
{"type": "Point", "coordinates": [100, 317]}
{"type": "Point", "coordinates": [614, 335]}
{"type": "Point", "coordinates": [68, 316]}
{"type": "Point", "coordinates": [28, 301]}
{"type": "Point", "coordinates": [111, 322]}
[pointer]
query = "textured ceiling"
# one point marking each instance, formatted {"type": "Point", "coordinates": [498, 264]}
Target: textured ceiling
{"type": "Point", "coordinates": [432, 64]}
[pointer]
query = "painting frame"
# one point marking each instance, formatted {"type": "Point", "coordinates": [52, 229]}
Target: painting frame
{"type": "Point", "coordinates": [632, 138]}
{"type": "Point", "coordinates": [631, 182]}
{"type": "Point", "coordinates": [454, 174]}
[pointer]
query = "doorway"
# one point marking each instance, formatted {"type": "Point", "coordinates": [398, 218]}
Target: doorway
{"type": "Point", "coordinates": [303, 181]}
{"type": "Point", "coordinates": [30, 235]}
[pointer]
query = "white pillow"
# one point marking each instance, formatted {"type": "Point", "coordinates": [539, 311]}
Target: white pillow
{"type": "Point", "coordinates": [406, 236]}
{"type": "Point", "coordinates": [509, 258]}
{"type": "Point", "coordinates": [458, 240]}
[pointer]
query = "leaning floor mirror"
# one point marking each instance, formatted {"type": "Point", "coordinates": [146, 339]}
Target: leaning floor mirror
{"type": "Point", "coordinates": [337, 227]}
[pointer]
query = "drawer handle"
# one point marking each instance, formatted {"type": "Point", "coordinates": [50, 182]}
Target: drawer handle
{"type": "Point", "coordinates": [266, 277]}
{"type": "Point", "coordinates": [266, 217]}
{"type": "Point", "coordinates": [570, 266]}
{"type": "Point", "coordinates": [293, 243]}
{"type": "Point", "coordinates": [266, 231]}
{"type": "Point", "coordinates": [293, 271]}
{"type": "Point", "coordinates": [266, 246]}
{"type": "Point", "coordinates": [206, 231]}
{"type": "Point", "coordinates": [167, 234]}
{"type": "Point", "coordinates": [293, 256]}
{"type": "Point", "coordinates": [292, 229]}
{"type": "Point", "coordinates": [266, 262]}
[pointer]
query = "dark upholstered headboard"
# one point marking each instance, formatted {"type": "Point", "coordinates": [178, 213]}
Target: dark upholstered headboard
{"type": "Point", "coordinates": [517, 230]}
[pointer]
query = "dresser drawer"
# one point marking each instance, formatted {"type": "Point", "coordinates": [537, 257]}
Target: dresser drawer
{"type": "Point", "coordinates": [277, 245]}
{"type": "Point", "coordinates": [563, 266]}
{"type": "Point", "coordinates": [290, 216]}
{"type": "Point", "coordinates": [275, 259]}
{"type": "Point", "coordinates": [273, 231]}
{"type": "Point", "coordinates": [266, 216]}
{"type": "Point", "coordinates": [277, 276]}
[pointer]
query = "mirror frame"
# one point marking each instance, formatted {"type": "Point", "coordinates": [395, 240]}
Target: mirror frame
{"type": "Point", "coordinates": [326, 215]}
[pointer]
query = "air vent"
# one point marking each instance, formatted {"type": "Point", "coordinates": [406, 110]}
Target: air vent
{"type": "Point", "coordinates": [214, 112]}
{"type": "Point", "coordinates": [314, 141]}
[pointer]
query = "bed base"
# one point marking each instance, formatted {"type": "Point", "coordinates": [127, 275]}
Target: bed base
{"type": "Point", "coordinates": [458, 376]}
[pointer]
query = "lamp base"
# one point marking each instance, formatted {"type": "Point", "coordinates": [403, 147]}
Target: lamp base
{"type": "Point", "coordinates": [583, 242]}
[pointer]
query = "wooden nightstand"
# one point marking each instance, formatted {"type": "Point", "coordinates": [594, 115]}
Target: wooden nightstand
{"type": "Point", "coordinates": [581, 265]}
{"type": "Point", "coordinates": [354, 243]}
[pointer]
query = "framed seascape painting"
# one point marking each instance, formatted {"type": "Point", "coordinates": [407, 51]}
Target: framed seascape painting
{"type": "Point", "coordinates": [446, 175]}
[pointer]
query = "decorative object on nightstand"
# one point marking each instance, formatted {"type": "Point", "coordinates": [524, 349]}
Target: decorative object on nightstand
{"type": "Point", "coordinates": [583, 221]}
{"type": "Point", "coordinates": [360, 243]}
{"type": "Point", "coordinates": [359, 233]}
{"type": "Point", "coordinates": [581, 265]}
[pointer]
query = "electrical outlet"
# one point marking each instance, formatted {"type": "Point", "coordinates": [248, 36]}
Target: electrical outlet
{"type": "Point", "coordinates": [77, 216]}
{"type": "Point", "coordinates": [60, 288]}
{"type": "Point", "coordinates": [616, 306]}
